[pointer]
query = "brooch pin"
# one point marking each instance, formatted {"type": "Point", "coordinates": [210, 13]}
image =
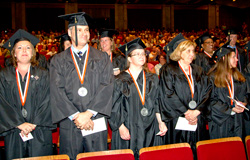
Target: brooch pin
{"type": "Point", "coordinates": [36, 77]}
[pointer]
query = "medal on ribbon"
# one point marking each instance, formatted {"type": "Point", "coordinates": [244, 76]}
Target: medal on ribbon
{"type": "Point", "coordinates": [82, 91]}
{"type": "Point", "coordinates": [22, 95]}
{"type": "Point", "coordinates": [144, 110]}
{"type": "Point", "coordinates": [192, 104]}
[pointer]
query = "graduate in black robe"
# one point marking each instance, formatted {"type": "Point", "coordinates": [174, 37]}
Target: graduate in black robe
{"type": "Point", "coordinates": [78, 100]}
{"type": "Point", "coordinates": [107, 45]}
{"type": "Point", "coordinates": [247, 76]}
{"type": "Point", "coordinates": [204, 58]}
{"type": "Point", "coordinates": [30, 114]}
{"type": "Point", "coordinates": [227, 117]}
{"type": "Point", "coordinates": [241, 55]}
{"type": "Point", "coordinates": [181, 96]}
{"type": "Point", "coordinates": [135, 113]}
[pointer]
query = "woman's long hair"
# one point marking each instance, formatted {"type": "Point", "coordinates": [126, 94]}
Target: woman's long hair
{"type": "Point", "coordinates": [222, 69]}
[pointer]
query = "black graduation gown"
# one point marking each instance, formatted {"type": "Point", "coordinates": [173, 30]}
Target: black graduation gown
{"type": "Point", "coordinates": [118, 61]}
{"type": "Point", "coordinates": [175, 96]}
{"type": "Point", "coordinates": [247, 116]}
{"type": "Point", "coordinates": [39, 113]}
{"type": "Point", "coordinates": [222, 123]}
{"type": "Point", "coordinates": [65, 100]}
{"type": "Point", "coordinates": [127, 110]}
{"type": "Point", "coordinates": [204, 61]}
{"type": "Point", "coordinates": [242, 63]}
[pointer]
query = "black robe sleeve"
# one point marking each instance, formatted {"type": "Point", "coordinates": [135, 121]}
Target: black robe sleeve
{"type": "Point", "coordinates": [170, 104]}
{"type": "Point", "coordinates": [118, 113]}
{"type": "Point", "coordinates": [9, 117]}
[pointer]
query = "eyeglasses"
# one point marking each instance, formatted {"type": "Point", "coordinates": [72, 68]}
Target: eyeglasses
{"type": "Point", "coordinates": [138, 54]}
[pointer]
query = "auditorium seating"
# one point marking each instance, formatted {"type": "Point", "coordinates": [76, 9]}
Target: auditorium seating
{"type": "Point", "coordinates": [123, 154]}
{"type": "Point", "coordinates": [247, 143]}
{"type": "Point", "coordinates": [53, 157]}
{"type": "Point", "coordinates": [177, 151]}
{"type": "Point", "coordinates": [231, 148]}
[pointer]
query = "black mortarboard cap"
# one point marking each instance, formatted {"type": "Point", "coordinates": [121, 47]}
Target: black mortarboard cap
{"type": "Point", "coordinates": [172, 45]}
{"type": "Point", "coordinates": [247, 46]}
{"type": "Point", "coordinates": [222, 51]}
{"type": "Point", "coordinates": [75, 19]}
{"type": "Point", "coordinates": [107, 33]}
{"type": "Point", "coordinates": [202, 38]}
{"type": "Point", "coordinates": [132, 45]}
{"type": "Point", "coordinates": [19, 36]}
{"type": "Point", "coordinates": [230, 31]}
{"type": "Point", "coordinates": [62, 38]}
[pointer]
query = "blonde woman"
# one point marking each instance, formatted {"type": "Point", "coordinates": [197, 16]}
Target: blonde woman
{"type": "Point", "coordinates": [184, 89]}
{"type": "Point", "coordinates": [107, 45]}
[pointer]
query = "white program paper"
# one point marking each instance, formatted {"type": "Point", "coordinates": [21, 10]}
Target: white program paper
{"type": "Point", "coordinates": [99, 125]}
{"type": "Point", "coordinates": [24, 138]}
{"type": "Point", "coordinates": [182, 124]}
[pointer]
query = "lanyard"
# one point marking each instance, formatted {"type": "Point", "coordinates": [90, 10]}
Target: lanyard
{"type": "Point", "coordinates": [111, 57]}
{"type": "Point", "coordinates": [81, 76]}
{"type": "Point", "coordinates": [231, 89]}
{"type": "Point", "coordinates": [22, 95]}
{"type": "Point", "coordinates": [141, 95]}
{"type": "Point", "coordinates": [189, 78]}
{"type": "Point", "coordinates": [207, 54]}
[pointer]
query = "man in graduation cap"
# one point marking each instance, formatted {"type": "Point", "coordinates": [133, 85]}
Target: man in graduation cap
{"type": "Point", "coordinates": [81, 90]}
{"type": "Point", "coordinates": [240, 53]}
{"type": "Point", "coordinates": [204, 59]}
{"type": "Point", "coordinates": [107, 45]}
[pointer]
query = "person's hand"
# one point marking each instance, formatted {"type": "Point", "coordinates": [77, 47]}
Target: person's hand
{"type": "Point", "coordinates": [116, 72]}
{"type": "Point", "coordinates": [191, 116]}
{"type": "Point", "coordinates": [238, 109]}
{"type": "Point", "coordinates": [26, 128]}
{"type": "Point", "coordinates": [124, 132]}
{"type": "Point", "coordinates": [163, 128]}
{"type": "Point", "coordinates": [83, 120]}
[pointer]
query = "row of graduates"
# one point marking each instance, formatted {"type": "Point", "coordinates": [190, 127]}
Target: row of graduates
{"type": "Point", "coordinates": [143, 110]}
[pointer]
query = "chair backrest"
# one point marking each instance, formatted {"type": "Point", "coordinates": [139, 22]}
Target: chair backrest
{"type": "Point", "coordinates": [121, 154]}
{"type": "Point", "coordinates": [247, 143]}
{"type": "Point", "coordinates": [178, 151]}
{"type": "Point", "coordinates": [224, 148]}
{"type": "Point", "coordinates": [53, 157]}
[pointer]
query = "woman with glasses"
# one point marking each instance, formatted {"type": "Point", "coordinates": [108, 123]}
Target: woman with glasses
{"type": "Point", "coordinates": [135, 118]}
